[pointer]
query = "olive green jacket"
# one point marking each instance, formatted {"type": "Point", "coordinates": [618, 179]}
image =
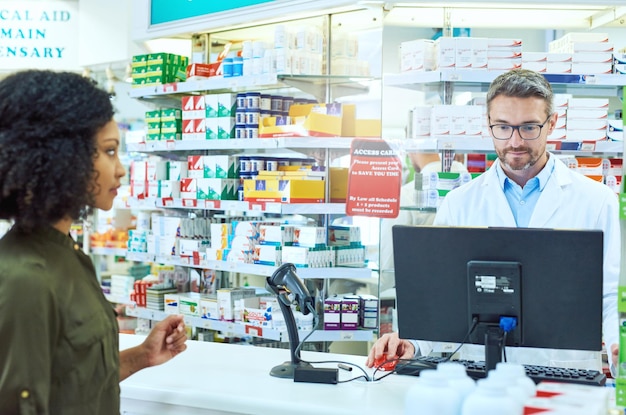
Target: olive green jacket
{"type": "Point", "coordinates": [59, 345]}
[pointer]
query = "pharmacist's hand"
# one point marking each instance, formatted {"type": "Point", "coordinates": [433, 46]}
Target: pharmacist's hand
{"type": "Point", "coordinates": [166, 339]}
{"type": "Point", "coordinates": [391, 346]}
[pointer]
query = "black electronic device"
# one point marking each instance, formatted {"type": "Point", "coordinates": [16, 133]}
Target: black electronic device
{"type": "Point", "coordinates": [477, 370]}
{"type": "Point", "coordinates": [290, 289]}
{"type": "Point", "coordinates": [450, 280]}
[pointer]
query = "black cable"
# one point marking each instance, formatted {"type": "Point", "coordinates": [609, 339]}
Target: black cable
{"type": "Point", "coordinates": [463, 342]}
{"type": "Point", "coordinates": [504, 347]}
{"type": "Point", "coordinates": [316, 324]}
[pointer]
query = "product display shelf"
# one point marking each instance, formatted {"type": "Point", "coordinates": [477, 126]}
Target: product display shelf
{"type": "Point", "coordinates": [315, 85]}
{"type": "Point", "coordinates": [214, 84]}
{"type": "Point", "coordinates": [478, 81]}
{"type": "Point", "coordinates": [108, 251]}
{"type": "Point", "coordinates": [240, 144]}
{"type": "Point", "coordinates": [484, 144]}
{"type": "Point", "coordinates": [119, 300]}
{"type": "Point", "coordinates": [238, 206]}
{"type": "Point", "coordinates": [201, 145]}
{"type": "Point", "coordinates": [355, 273]}
{"type": "Point", "coordinates": [325, 88]}
{"type": "Point", "coordinates": [467, 77]}
{"type": "Point", "coordinates": [242, 329]}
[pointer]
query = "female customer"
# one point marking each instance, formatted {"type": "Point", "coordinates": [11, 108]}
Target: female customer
{"type": "Point", "coordinates": [59, 349]}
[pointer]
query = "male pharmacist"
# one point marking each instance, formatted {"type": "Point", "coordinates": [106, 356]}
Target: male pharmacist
{"type": "Point", "coordinates": [529, 187]}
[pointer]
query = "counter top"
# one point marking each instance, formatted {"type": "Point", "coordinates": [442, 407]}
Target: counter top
{"type": "Point", "coordinates": [216, 378]}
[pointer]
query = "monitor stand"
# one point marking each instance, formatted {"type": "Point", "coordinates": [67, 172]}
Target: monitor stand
{"type": "Point", "coordinates": [494, 338]}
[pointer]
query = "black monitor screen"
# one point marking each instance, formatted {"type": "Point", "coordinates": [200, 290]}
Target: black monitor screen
{"type": "Point", "coordinates": [549, 280]}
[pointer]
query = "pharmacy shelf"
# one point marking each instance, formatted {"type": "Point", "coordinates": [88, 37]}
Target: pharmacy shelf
{"type": "Point", "coordinates": [484, 144]}
{"type": "Point", "coordinates": [216, 83]}
{"type": "Point", "coordinates": [108, 251]}
{"type": "Point", "coordinates": [241, 144]}
{"type": "Point", "coordinates": [239, 206]}
{"type": "Point", "coordinates": [119, 300]}
{"type": "Point", "coordinates": [316, 85]}
{"type": "Point", "coordinates": [414, 79]}
{"type": "Point", "coordinates": [243, 329]}
{"type": "Point", "coordinates": [353, 273]}
{"type": "Point", "coordinates": [201, 145]}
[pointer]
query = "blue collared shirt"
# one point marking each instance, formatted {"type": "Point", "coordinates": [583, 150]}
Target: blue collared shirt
{"type": "Point", "coordinates": [523, 200]}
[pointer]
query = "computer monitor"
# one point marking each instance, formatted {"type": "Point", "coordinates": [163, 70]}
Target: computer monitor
{"type": "Point", "coordinates": [549, 281]}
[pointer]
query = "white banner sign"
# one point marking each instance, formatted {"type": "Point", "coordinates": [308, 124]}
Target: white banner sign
{"type": "Point", "coordinates": [38, 34]}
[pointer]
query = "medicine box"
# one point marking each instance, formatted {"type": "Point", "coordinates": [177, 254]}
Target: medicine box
{"type": "Point", "coordinates": [276, 234]}
{"type": "Point", "coordinates": [349, 312]}
{"type": "Point", "coordinates": [417, 55]}
{"type": "Point", "coordinates": [309, 236]}
{"type": "Point", "coordinates": [368, 311]}
{"type": "Point", "coordinates": [339, 235]}
{"type": "Point", "coordinates": [226, 298]}
{"type": "Point", "coordinates": [267, 255]}
{"type": "Point", "coordinates": [170, 302]}
{"type": "Point", "coordinates": [332, 314]}
{"type": "Point", "coordinates": [209, 308]}
{"type": "Point", "coordinates": [189, 304]}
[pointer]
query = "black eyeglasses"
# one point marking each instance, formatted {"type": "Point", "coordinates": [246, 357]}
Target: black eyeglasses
{"type": "Point", "coordinates": [526, 131]}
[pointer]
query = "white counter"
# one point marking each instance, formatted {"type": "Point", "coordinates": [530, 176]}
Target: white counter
{"type": "Point", "coordinates": [215, 378]}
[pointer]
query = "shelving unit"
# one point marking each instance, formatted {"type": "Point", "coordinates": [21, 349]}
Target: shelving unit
{"type": "Point", "coordinates": [479, 80]}
{"type": "Point", "coordinates": [323, 87]}
{"type": "Point", "coordinates": [218, 146]}
{"type": "Point", "coordinates": [109, 251]}
{"type": "Point", "coordinates": [316, 85]}
{"type": "Point", "coordinates": [242, 329]}
{"type": "Point", "coordinates": [326, 89]}
{"type": "Point", "coordinates": [357, 273]}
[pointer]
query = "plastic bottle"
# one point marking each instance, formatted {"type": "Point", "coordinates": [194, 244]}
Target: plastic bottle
{"type": "Point", "coordinates": [432, 395]}
{"type": "Point", "coordinates": [514, 389]}
{"type": "Point", "coordinates": [457, 377]}
{"type": "Point", "coordinates": [519, 373]}
{"type": "Point", "coordinates": [490, 398]}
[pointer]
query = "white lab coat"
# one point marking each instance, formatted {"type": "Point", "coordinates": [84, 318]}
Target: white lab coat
{"type": "Point", "coordinates": [569, 200]}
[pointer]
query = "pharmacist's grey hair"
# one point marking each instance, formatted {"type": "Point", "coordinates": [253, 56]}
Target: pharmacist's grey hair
{"type": "Point", "coordinates": [522, 83]}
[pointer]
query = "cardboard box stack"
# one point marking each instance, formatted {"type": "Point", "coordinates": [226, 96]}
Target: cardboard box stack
{"type": "Point", "coordinates": [157, 69]}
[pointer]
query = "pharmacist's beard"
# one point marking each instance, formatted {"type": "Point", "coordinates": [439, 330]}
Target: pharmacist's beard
{"type": "Point", "coordinates": [518, 159]}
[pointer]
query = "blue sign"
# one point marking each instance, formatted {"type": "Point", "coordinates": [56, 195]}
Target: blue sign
{"type": "Point", "coordinates": [165, 11]}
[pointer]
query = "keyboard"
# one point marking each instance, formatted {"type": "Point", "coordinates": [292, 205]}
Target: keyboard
{"type": "Point", "coordinates": [476, 370]}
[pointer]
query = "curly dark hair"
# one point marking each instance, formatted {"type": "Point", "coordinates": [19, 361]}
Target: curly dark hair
{"type": "Point", "coordinates": [48, 124]}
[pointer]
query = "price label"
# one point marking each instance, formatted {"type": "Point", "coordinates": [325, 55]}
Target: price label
{"type": "Point", "coordinates": [141, 146]}
{"type": "Point", "coordinates": [189, 203]}
{"type": "Point", "coordinates": [588, 146]}
{"type": "Point", "coordinates": [553, 145]}
{"type": "Point", "coordinates": [212, 204]}
{"type": "Point", "coordinates": [170, 88]}
{"type": "Point", "coordinates": [170, 145]}
{"type": "Point", "coordinates": [257, 206]}
{"type": "Point", "coordinates": [167, 202]}
{"type": "Point", "coordinates": [346, 335]}
{"type": "Point", "coordinates": [591, 80]}
{"type": "Point", "coordinates": [254, 330]}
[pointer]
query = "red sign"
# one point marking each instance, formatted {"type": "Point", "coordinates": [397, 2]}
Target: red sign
{"type": "Point", "coordinates": [374, 180]}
